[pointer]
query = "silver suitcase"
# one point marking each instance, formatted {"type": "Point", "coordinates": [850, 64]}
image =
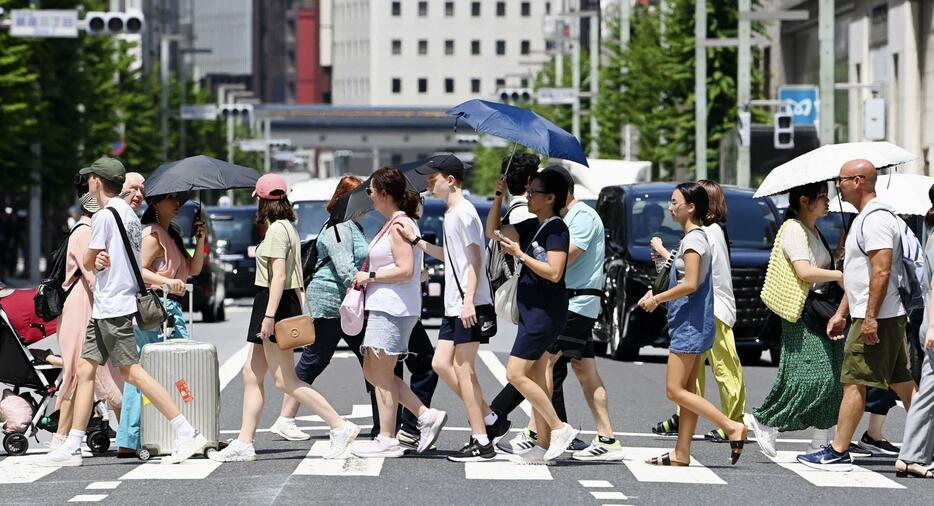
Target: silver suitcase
{"type": "Point", "coordinates": [188, 370]}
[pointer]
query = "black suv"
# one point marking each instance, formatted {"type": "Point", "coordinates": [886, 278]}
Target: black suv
{"type": "Point", "coordinates": [632, 215]}
{"type": "Point", "coordinates": [237, 236]}
{"type": "Point", "coordinates": [209, 292]}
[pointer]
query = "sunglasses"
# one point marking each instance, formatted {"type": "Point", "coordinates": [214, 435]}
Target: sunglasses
{"type": "Point", "coordinates": [369, 191]}
{"type": "Point", "coordinates": [847, 178]}
{"type": "Point", "coordinates": [530, 191]}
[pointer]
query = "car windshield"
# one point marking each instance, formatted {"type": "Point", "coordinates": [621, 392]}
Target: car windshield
{"type": "Point", "coordinates": [312, 214]}
{"type": "Point", "coordinates": [238, 228]}
{"type": "Point", "coordinates": [751, 223]}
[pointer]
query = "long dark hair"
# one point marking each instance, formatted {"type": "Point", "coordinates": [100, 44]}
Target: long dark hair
{"type": "Point", "coordinates": [149, 217]}
{"type": "Point", "coordinates": [811, 191]}
{"type": "Point", "coordinates": [929, 217]}
{"type": "Point", "coordinates": [696, 194]}
{"type": "Point", "coordinates": [555, 184]}
{"type": "Point", "coordinates": [274, 210]}
{"type": "Point", "coordinates": [390, 181]}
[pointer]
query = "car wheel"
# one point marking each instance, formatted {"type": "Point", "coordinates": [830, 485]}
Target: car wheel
{"type": "Point", "coordinates": [221, 313]}
{"type": "Point", "coordinates": [750, 357]}
{"type": "Point", "coordinates": [620, 350]}
{"type": "Point", "coordinates": [775, 354]}
{"type": "Point", "coordinates": [208, 314]}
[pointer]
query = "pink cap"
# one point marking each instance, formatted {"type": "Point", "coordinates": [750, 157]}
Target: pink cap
{"type": "Point", "coordinates": [271, 187]}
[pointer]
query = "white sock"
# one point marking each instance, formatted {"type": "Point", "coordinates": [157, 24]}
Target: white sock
{"type": "Point", "coordinates": [491, 418]}
{"type": "Point", "coordinates": [427, 417]}
{"type": "Point", "coordinates": [73, 442]}
{"type": "Point", "coordinates": [482, 439]}
{"type": "Point", "coordinates": [283, 419]}
{"type": "Point", "coordinates": [182, 428]}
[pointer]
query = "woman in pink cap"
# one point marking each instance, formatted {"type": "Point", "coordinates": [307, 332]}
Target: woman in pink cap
{"type": "Point", "coordinates": [279, 297]}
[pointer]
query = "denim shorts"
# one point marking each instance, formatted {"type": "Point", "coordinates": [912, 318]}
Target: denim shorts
{"type": "Point", "coordinates": [387, 333]}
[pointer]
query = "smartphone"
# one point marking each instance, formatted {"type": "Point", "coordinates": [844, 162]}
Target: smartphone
{"type": "Point", "coordinates": [195, 219]}
{"type": "Point", "coordinates": [499, 234]}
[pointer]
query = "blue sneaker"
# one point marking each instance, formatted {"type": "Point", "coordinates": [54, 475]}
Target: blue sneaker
{"type": "Point", "coordinates": [827, 459]}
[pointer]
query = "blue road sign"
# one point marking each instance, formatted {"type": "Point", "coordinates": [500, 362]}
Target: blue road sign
{"type": "Point", "coordinates": [803, 103]}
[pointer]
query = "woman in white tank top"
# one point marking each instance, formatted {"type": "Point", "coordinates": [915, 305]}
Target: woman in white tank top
{"type": "Point", "coordinates": [392, 278]}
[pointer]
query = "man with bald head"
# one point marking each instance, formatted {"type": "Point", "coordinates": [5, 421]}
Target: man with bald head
{"type": "Point", "coordinates": [874, 354]}
{"type": "Point", "coordinates": [133, 189]}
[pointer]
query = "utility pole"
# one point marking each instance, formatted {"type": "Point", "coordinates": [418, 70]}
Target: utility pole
{"type": "Point", "coordinates": [625, 8]}
{"type": "Point", "coordinates": [576, 82]}
{"type": "Point", "coordinates": [743, 86]}
{"type": "Point", "coordinates": [825, 35]}
{"type": "Point", "coordinates": [594, 81]}
{"type": "Point", "coordinates": [700, 88]}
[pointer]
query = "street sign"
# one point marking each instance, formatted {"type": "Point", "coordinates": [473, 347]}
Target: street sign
{"type": "Point", "coordinates": [252, 145]}
{"type": "Point", "coordinates": [199, 112]}
{"type": "Point", "coordinates": [44, 23]}
{"type": "Point", "coordinates": [555, 96]}
{"type": "Point", "coordinates": [803, 103]}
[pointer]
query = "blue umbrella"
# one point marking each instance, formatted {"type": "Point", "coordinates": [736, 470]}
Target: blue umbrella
{"type": "Point", "coordinates": [521, 126]}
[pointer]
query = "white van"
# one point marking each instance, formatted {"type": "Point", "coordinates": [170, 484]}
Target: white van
{"type": "Point", "coordinates": [310, 200]}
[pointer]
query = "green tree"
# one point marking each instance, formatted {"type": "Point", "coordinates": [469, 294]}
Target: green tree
{"type": "Point", "coordinates": [18, 99]}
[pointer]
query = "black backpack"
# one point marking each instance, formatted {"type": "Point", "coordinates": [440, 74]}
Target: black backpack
{"type": "Point", "coordinates": [50, 297]}
{"type": "Point", "coordinates": [310, 254]}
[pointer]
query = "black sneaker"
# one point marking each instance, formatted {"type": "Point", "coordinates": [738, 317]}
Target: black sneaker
{"type": "Point", "coordinates": [877, 446]}
{"type": "Point", "coordinates": [499, 428]}
{"type": "Point", "coordinates": [577, 445]}
{"type": "Point", "coordinates": [474, 452]}
{"type": "Point", "coordinates": [858, 453]}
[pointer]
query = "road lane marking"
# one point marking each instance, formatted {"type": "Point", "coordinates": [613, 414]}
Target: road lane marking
{"type": "Point", "coordinates": [23, 469]}
{"type": "Point", "coordinates": [695, 473]}
{"type": "Point", "coordinates": [604, 495]}
{"type": "Point", "coordinates": [595, 483]}
{"type": "Point", "coordinates": [498, 370]}
{"type": "Point", "coordinates": [315, 465]}
{"type": "Point", "coordinates": [103, 485]}
{"type": "Point", "coordinates": [858, 477]}
{"type": "Point", "coordinates": [232, 366]}
{"type": "Point", "coordinates": [505, 467]}
{"type": "Point", "coordinates": [88, 498]}
{"type": "Point", "coordinates": [191, 469]}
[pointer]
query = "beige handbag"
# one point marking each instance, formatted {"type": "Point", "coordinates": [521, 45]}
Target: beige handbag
{"type": "Point", "coordinates": [296, 331]}
{"type": "Point", "coordinates": [783, 292]}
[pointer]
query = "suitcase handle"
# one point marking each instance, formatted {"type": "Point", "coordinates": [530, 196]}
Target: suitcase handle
{"type": "Point", "coordinates": [189, 324]}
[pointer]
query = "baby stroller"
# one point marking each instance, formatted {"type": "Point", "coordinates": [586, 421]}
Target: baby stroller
{"type": "Point", "coordinates": [31, 377]}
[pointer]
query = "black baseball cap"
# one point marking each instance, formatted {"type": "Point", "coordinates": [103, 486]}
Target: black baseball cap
{"type": "Point", "coordinates": [449, 165]}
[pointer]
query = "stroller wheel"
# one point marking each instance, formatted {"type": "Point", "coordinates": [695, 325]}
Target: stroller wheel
{"type": "Point", "coordinates": [15, 443]}
{"type": "Point", "coordinates": [143, 454]}
{"type": "Point", "coordinates": [98, 441]}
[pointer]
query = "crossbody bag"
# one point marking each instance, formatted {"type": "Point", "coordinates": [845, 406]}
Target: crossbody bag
{"type": "Point", "coordinates": [150, 312]}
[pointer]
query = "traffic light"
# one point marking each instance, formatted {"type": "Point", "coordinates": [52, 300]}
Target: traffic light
{"type": "Point", "coordinates": [513, 95]}
{"type": "Point", "coordinates": [744, 128]}
{"type": "Point", "coordinates": [114, 23]}
{"type": "Point", "coordinates": [784, 131]}
{"type": "Point", "coordinates": [236, 110]}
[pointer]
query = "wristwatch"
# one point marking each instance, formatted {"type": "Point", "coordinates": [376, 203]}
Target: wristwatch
{"type": "Point", "coordinates": [372, 275]}
{"type": "Point", "coordinates": [415, 241]}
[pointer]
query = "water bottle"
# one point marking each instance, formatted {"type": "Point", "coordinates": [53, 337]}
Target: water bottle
{"type": "Point", "coordinates": [539, 252]}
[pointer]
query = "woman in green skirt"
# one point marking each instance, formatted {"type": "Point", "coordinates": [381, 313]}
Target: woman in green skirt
{"type": "Point", "coordinates": [807, 390]}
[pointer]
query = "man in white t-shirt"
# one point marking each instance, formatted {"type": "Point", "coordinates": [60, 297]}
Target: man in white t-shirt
{"type": "Point", "coordinates": [874, 354]}
{"type": "Point", "coordinates": [517, 170]}
{"type": "Point", "coordinates": [110, 331]}
{"type": "Point", "coordinates": [468, 307]}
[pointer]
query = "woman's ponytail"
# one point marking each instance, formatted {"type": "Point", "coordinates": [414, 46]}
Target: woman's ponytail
{"type": "Point", "coordinates": [409, 204]}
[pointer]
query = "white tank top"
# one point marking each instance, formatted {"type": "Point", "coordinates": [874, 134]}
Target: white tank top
{"type": "Point", "coordinates": [403, 298]}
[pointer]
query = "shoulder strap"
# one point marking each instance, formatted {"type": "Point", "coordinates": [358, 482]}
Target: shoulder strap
{"type": "Point", "coordinates": [452, 266]}
{"type": "Point", "coordinates": [510, 209]}
{"type": "Point", "coordinates": [379, 236]}
{"type": "Point", "coordinates": [859, 235]}
{"type": "Point", "coordinates": [129, 250]}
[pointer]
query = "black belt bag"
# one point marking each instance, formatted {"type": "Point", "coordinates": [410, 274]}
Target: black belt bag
{"type": "Point", "coordinates": [820, 307]}
{"type": "Point", "coordinates": [581, 292]}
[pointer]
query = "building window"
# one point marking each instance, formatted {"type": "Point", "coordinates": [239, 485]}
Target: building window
{"type": "Point", "coordinates": [526, 47]}
{"type": "Point", "coordinates": [500, 48]}
{"type": "Point", "coordinates": [397, 8]}
{"type": "Point", "coordinates": [475, 9]}
{"type": "Point", "coordinates": [500, 9]}
{"type": "Point", "coordinates": [422, 9]}
{"type": "Point", "coordinates": [423, 47]}
{"type": "Point", "coordinates": [475, 86]}
{"type": "Point", "coordinates": [396, 46]}
{"type": "Point", "coordinates": [475, 47]}
{"type": "Point", "coordinates": [449, 9]}
{"type": "Point", "coordinates": [449, 85]}
{"type": "Point", "coordinates": [396, 85]}
{"type": "Point", "coordinates": [524, 83]}
{"type": "Point", "coordinates": [525, 9]}
{"type": "Point", "coordinates": [547, 8]}
{"type": "Point", "coordinates": [422, 85]}
{"type": "Point", "coordinates": [449, 47]}
{"type": "Point", "coordinates": [500, 83]}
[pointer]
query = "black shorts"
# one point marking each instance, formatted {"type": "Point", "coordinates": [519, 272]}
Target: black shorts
{"type": "Point", "coordinates": [532, 342]}
{"type": "Point", "coordinates": [576, 340]}
{"type": "Point", "coordinates": [289, 306]}
{"type": "Point", "coordinates": [452, 329]}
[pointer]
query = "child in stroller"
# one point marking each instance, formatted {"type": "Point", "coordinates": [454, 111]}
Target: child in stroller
{"type": "Point", "coordinates": [35, 375]}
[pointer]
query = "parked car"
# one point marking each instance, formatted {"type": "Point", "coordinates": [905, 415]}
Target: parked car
{"type": "Point", "coordinates": [237, 236]}
{"type": "Point", "coordinates": [209, 291]}
{"type": "Point", "coordinates": [632, 215]}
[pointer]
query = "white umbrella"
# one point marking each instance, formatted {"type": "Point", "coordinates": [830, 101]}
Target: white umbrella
{"type": "Point", "coordinates": [824, 163]}
{"type": "Point", "coordinates": [906, 193]}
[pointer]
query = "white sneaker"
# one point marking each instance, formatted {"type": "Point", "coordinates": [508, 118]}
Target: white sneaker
{"type": "Point", "coordinates": [598, 451]}
{"type": "Point", "coordinates": [56, 442]}
{"type": "Point", "coordinates": [341, 438]}
{"type": "Point", "coordinates": [765, 435]}
{"type": "Point", "coordinates": [378, 448]}
{"type": "Point", "coordinates": [560, 439]}
{"type": "Point", "coordinates": [431, 431]}
{"type": "Point", "coordinates": [236, 451]}
{"type": "Point", "coordinates": [518, 445]}
{"type": "Point", "coordinates": [535, 457]}
{"type": "Point", "coordinates": [288, 430]}
{"type": "Point", "coordinates": [60, 458]}
{"type": "Point", "coordinates": [819, 439]}
{"type": "Point", "coordinates": [185, 448]}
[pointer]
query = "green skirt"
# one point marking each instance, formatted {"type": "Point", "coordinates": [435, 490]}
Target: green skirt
{"type": "Point", "coordinates": [807, 390]}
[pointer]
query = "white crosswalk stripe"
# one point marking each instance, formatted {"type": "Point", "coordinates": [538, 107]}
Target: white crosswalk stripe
{"type": "Point", "coordinates": [23, 469]}
{"type": "Point", "coordinates": [505, 467]}
{"type": "Point", "coordinates": [695, 473]}
{"type": "Point", "coordinates": [191, 469]}
{"type": "Point", "coordinates": [859, 477]}
{"type": "Point", "coordinates": [315, 465]}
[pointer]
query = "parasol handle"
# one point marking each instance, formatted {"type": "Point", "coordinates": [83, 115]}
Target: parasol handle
{"type": "Point", "coordinates": [509, 163]}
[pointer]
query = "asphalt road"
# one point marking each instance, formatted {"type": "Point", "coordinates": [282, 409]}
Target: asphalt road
{"type": "Point", "coordinates": [291, 472]}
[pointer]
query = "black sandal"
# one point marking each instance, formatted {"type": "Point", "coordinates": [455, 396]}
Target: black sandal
{"type": "Point", "coordinates": [912, 471]}
{"type": "Point", "coordinates": [667, 428]}
{"type": "Point", "coordinates": [665, 460]}
{"type": "Point", "coordinates": [716, 436]}
{"type": "Point", "coordinates": [736, 447]}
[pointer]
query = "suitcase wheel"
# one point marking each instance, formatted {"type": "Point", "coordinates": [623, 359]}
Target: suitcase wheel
{"type": "Point", "coordinates": [144, 454]}
{"type": "Point", "coordinates": [15, 443]}
{"type": "Point", "coordinates": [99, 441]}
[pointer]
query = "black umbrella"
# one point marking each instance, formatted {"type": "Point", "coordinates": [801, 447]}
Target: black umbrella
{"type": "Point", "coordinates": [416, 175]}
{"type": "Point", "coordinates": [199, 173]}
